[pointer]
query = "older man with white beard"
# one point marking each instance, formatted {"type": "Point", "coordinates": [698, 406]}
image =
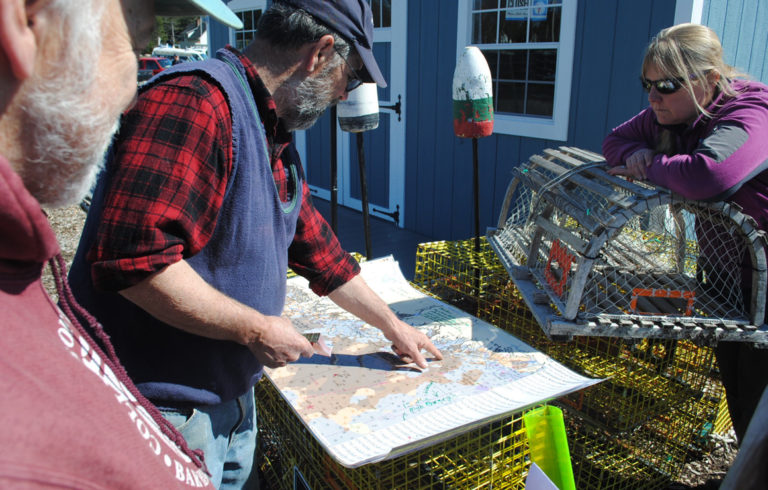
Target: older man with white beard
{"type": "Point", "coordinates": [69, 415]}
{"type": "Point", "coordinates": [204, 206]}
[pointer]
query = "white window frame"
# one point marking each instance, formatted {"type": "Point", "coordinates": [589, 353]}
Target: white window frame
{"type": "Point", "coordinates": [244, 5]}
{"type": "Point", "coordinates": [556, 127]}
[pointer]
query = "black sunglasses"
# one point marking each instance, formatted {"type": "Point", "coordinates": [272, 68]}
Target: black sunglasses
{"type": "Point", "coordinates": [353, 80]}
{"type": "Point", "coordinates": [664, 86]}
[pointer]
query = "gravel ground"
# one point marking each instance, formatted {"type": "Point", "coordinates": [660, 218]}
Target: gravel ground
{"type": "Point", "coordinates": [708, 472]}
{"type": "Point", "coordinates": [67, 223]}
{"type": "Point", "coordinates": [701, 474]}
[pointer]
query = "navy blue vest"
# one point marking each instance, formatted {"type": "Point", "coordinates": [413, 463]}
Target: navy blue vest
{"type": "Point", "coordinates": [246, 259]}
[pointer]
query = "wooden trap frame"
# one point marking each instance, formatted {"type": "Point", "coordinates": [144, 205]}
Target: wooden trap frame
{"type": "Point", "coordinates": [598, 255]}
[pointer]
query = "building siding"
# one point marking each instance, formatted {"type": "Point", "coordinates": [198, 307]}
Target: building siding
{"type": "Point", "coordinates": [218, 36]}
{"type": "Point", "coordinates": [611, 36]}
{"type": "Point", "coordinates": [742, 26]}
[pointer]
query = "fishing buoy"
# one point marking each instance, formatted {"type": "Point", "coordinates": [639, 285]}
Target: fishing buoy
{"type": "Point", "coordinates": [360, 112]}
{"type": "Point", "coordinates": [472, 95]}
{"type": "Point", "coordinates": [357, 114]}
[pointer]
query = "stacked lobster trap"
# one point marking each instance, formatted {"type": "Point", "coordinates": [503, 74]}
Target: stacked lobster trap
{"type": "Point", "coordinates": [597, 255]}
{"type": "Point", "coordinates": [658, 407]}
{"type": "Point", "coordinates": [494, 455]}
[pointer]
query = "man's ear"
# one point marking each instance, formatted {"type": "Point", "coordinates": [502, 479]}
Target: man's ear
{"type": "Point", "coordinates": [318, 54]}
{"type": "Point", "coordinates": [18, 44]}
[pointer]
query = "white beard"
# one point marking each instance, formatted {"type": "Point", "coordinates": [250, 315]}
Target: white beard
{"type": "Point", "coordinates": [65, 128]}
{"type": "Point", "coordinates": [67, 150]}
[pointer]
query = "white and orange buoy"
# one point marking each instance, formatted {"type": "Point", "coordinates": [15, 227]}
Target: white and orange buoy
{"type": "Point", "coordinates": [472, 95]}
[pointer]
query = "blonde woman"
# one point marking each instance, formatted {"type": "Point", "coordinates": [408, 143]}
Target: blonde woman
{"type": "Point", "coordinates": [704, 136]}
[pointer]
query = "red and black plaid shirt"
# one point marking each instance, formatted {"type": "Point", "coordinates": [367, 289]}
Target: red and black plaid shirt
{"type": "Point", "coordinates": [173, 157]}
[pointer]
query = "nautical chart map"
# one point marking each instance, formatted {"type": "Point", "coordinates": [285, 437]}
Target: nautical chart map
{"type": "Point", "coordinates": [364, 405]}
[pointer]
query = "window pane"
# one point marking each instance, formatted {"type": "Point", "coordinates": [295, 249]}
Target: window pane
{"type": "Point", "coordinates": [248, 21]}
{"type": "Point", "coordinates": [517, 8]}
{"type": "Point", "coordinates": [512, 29]}
{"type": "Point", "coordinates": [541, 98]}
{"type": "Point", "coordinates": [543, 63]}
{"type": "Point", "coordinates": [510, 97]}
{"type": "Point", "coordinates": [485, 4]}
{"type": "Point", "coordinates": [545, 28]}
{"type": "Point", "coordinates": [484, 28]}
{"type": "Point", "coordinates": [512, 65]}
{"type": "Point", "coordinates": [382, 12]}
{"type": "Point", "coordinates": [386, 13]}
{"type": "Point", "coordinates": [376, 9]}
{"type": "Point", "coordinates": [491, 57]}
{"type": "Point", "coordinates": [524, 79]}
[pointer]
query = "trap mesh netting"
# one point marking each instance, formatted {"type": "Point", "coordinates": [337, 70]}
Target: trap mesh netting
{"type": "Point", "coordinates": [595, 254]}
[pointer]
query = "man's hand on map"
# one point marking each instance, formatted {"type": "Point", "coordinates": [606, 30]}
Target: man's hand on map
{"type": "Point", "coordinates": [359, 299]}
{"type": "Point", "coordinates": [178, 296]}
{"type": "Point", "coordinates": [279, 343]}
{"type": "Point", "coordinates": [407, 342]}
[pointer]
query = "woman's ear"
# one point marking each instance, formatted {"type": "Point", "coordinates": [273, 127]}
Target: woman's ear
{"type": "Point", "coordinates": [713, 77]}
{"type": "Point", "coordinates": [18, 44]}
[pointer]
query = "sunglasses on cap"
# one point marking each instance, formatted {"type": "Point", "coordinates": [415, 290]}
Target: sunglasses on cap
{"type": "Point", "coordinates": [663, 86]}
{"type": "Point", "coordinates": [353, 79]}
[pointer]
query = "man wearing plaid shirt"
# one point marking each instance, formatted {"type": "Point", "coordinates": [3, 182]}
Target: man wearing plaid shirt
{"type": "Point", "coordinates": [202, 207]}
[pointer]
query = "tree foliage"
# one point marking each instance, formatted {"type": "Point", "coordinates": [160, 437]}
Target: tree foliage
{"type": "Point", "coordinates": [168, 30]}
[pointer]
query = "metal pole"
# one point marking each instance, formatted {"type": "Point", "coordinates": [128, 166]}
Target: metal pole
{"type": "Point", "coordinates": [476, 191]}
{"type": "Point", "coordinates": [364, 195]}
{"type": "Point", "coordinates": [334, 172]}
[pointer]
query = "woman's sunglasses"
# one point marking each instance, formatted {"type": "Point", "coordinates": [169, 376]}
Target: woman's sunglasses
{"type": "Point", "coordinates": [664, 86]}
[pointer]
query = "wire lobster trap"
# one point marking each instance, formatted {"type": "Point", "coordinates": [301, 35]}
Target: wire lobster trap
{"type": "Point", "coordinates": [597, 255]}
{"type": "Point", "coordinates": [656, 410]}
{"type": "Point", "coordinates": [494, 455]}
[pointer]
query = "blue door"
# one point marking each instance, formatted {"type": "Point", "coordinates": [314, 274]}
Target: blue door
{"type": "Point", "coordinates": [384, 147]}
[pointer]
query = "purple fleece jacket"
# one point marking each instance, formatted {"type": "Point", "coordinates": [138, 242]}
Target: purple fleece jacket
{"type": "Point", "coordinates": [722, 157]}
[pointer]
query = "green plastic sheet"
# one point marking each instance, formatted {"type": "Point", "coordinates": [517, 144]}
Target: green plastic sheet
{"type": "Point", "coordinates": [549, 445]}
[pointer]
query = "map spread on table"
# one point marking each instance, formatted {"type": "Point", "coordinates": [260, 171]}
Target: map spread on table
{"type": "Point", "coordinates": [363, 404]}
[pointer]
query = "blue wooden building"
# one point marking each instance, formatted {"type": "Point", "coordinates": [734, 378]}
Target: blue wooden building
{"type": "Point", "coordinates": [565, 73]}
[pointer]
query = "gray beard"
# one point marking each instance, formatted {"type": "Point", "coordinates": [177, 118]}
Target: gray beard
{"type": "Point", "coordinates": [303, 101]}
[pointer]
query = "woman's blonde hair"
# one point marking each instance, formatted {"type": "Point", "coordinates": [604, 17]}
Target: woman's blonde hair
{"type": "Point", "coordinates": [689, 52]}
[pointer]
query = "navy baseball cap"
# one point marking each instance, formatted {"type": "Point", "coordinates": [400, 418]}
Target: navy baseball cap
{"type": "Point", "coordinates": [353, 20]}
{"type": "Point", "coordinates": [215, 8]}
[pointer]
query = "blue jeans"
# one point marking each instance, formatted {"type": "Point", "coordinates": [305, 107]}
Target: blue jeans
{"type": "Point", "coordinates": [226, 433]}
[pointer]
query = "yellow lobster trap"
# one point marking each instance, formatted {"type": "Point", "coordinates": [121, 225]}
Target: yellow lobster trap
{"type": "Point", "coordinates": [597, 255]}
{"type": "Point", "coordinates": [656, 410]}
{"type": "Point", "coordinates": [495, 455]}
